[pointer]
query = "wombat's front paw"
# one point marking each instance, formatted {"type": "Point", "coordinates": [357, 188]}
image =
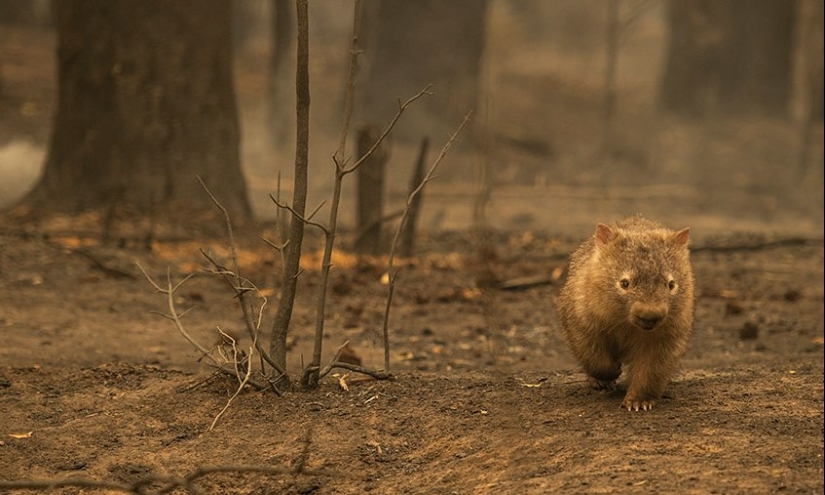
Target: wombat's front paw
{"type": "Point", "coordinates": [601, 384]}
{"type": "Point", "coordinates": [635, 404]}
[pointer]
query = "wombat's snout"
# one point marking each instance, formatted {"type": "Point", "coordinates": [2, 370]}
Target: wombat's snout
{"type": "Point", "coordinates": [648, 317]}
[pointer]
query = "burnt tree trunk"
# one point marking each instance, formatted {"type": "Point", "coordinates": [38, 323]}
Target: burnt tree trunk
{"type": "Point", "coordinates": [370, 191]}
{"type": "Point", "coordinates": [410, 227]}
{"type": "Point", "coordinates": [410, 44]}
{"type": "Point", "coordinates": [145, 104]}
{"type": "Point", "coordinates": [278, 75]}
{"type": "Point", "coordinates": [729, 56]}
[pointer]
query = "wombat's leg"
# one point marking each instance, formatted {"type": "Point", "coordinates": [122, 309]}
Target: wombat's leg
{"type": "Point", "coordinates": [602, 370]}
{"type": "Point", "coordinates": [647, 379]}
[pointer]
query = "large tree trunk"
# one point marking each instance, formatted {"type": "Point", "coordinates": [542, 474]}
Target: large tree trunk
{"type": "Point", "coordinates": [410, 44]}
{"type": "Point", "coordinates": [279, 80]}
{"type": "Point", "coordinates": [808, 63]}
{"type": "Point", "coordinates": [729, 56]}
{"type": "Point", "coordinates": [145, 104]}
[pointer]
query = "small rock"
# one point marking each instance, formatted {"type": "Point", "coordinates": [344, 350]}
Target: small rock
{"type": "Point", "coordinates": [792, 295]}
{"type": "Point", "coordinates": [733, 308]}
{"type": "Point", "coordinates": [749, 331]}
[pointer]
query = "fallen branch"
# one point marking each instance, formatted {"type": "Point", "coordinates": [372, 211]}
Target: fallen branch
{"type": "Point", "coordinates": [758, 246]}
{"type": "Point", "coordinates": [170, 483]}
{"type": "Point", "coordinates": [335, 363]}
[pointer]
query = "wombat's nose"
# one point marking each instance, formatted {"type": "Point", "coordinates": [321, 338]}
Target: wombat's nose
{"type": "Point", "coordinates": [648, 321]}
{"type": "Point", "coordinates": [647, 316]}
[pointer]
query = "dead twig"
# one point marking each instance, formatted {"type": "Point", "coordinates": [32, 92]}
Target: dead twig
{"type": "Point", "coordinates": [306, 220]}
{"type": "Point", "coordinates": [241, 286]}
{"type": "Point", "coordinates": [391, 271]}
{"type": "Point", "coordinates": [242, 383]}
{"type": "Point", "coordinates": [169, 292]}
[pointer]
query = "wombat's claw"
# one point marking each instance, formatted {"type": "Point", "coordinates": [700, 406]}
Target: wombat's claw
{"type": "Point", "coordinates": [636, 405]}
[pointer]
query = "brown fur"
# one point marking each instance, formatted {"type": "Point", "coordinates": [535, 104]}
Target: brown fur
{"type": "Point", "coordinates": [628, 301]}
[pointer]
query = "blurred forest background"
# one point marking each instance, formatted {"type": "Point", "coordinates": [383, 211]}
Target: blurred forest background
{"type": "Point", "coordinates": [706, 113]}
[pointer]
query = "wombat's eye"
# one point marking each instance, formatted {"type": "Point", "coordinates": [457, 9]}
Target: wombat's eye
{"type": "Point", "coordinates": [671, 284]}
{"type": "Point", "coordinates": [624, 283]}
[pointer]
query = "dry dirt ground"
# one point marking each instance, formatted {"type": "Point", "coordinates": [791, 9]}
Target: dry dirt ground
{"type": "Point", "coordinates": [485, 396]}
{"type": "Point", "coordinates": [484, 399]}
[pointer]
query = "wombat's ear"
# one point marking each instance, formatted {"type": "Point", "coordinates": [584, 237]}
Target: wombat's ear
{"type": "Point", "coordinates": [604, 234]}
{"type": "Point", "coordinates": [682, 237]}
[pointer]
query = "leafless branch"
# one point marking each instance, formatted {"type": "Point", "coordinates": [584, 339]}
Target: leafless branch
{"type": "Point", "coordinates": [351, 78]}
{"type": "Point", "coordinates": [390, 269]}
{"type": "Point", "coordinates": [307, 220]}
{"type": "Point", "coordinates": [343, 170]}
{"type": "Point", "coordinates": [173, 315]}
{"type": "Point", "coordinates": [240, 284]}
{"type": "Point", "coordinates": [334, 363]}
{"type": "Point", "coordinates": [242, 383]}
{"type": "Point", "coordinates": [278, 247]}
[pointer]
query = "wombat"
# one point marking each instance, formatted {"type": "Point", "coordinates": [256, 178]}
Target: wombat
{"type": "Point", "coordinates": [628, 300]}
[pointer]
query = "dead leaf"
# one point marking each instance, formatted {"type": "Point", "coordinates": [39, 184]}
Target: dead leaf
{"type": "Point", "coordinates": [373, 443]}
{"type": "Point", "coordinates": [532, 385]}
{"type": "Point", "coordinates": [342, 382]}
{"type": "Point", "coordinates": [21, 435]}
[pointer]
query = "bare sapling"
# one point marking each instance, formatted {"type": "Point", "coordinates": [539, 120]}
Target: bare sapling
{"type": "Point", "coordinates": [220, 365]}
{"type": "Point", "coordinates": [292, 250]}
{"type": "Point", "coordinates": [391, 271]}
{"type": "Point", "coordinates": [242, 287]}
{"type": "Point", "coordinates": [312, 373]}
{"type": "Point", "coordinates": [234, 362]}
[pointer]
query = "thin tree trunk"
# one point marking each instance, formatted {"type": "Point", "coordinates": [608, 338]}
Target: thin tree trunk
{"type": "Point", "coordinates": [283, 315]}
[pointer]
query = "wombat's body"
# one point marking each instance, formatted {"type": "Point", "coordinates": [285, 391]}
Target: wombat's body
{"type": "Point", "coordinates": [628, 300]}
